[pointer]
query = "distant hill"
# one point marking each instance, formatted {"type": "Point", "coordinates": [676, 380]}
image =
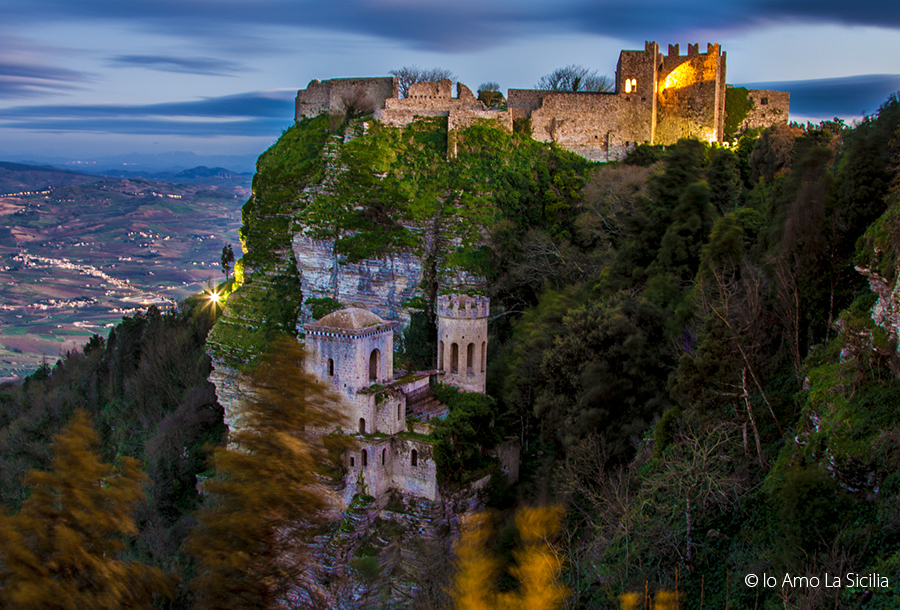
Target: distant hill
{"type": "Point", "coordinates": [17, 177]}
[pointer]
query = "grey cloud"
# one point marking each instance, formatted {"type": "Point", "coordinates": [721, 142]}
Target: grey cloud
{"type": "Point", "coordinates": [461, 26]}
{"type": "Point", "coordinates": [827, 98]}
{"type": "Point", "coordinates": [198, 65]}
{"type": "Point", "coordinates": [256, 113]}
{"type": "Point", "coordinates": [27, 80]}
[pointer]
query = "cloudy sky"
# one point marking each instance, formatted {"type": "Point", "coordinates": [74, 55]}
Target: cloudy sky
{"type": "Point", "coordinates": [92, 78]}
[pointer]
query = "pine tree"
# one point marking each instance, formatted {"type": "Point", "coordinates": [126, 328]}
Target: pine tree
{"type": "Point", "coordinates": [270, 491]}
{"type": "Point", "coordinates": [62, 550]}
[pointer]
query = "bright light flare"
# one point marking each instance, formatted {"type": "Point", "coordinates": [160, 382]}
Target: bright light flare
{"type": "Point", "coordinates": [215, 297]}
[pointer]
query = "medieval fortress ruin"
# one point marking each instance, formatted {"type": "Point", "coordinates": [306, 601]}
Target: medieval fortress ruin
{"type": "Point", "coordinates": [658, 99]}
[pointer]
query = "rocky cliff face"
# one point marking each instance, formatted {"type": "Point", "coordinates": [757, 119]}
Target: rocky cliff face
{"type": "Point", "coordinates": [380, 285]}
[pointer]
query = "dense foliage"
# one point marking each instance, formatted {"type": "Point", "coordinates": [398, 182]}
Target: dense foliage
{"type": "Point", "coordinates": [145, 392]}
{"type": "Point", "coordinates": [683, 344]}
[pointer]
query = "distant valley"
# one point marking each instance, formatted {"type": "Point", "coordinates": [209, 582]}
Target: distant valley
{"type": "Point", "coordinates": [78, 251]}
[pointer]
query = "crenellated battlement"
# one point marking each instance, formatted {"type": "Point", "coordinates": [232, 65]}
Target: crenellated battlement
{"type": "Point", "coordinates": [463, 306]}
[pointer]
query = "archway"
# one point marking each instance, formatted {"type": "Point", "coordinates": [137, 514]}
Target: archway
{"type": "Point", "coordinates": [374, 365]}
{"type": "Point", "coordinates": [454, 358]}
{"type": "Point", "coordinates": [362, 425]}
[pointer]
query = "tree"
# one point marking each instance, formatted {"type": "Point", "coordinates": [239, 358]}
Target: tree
{"type": "Point", "coordinates": [575, 78]}
{"type": "Point", "coordinates": [270, 490]}
{"type": "Point", "coordinates": [62, 550]}
{"type": "Point", "coordinates": [537, 567]}
{"type": "Point", "coordinates": [227, 260]}
{"type": "Point", "coordinates": [409, 75]}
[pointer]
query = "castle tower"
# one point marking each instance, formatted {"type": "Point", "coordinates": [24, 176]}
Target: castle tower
{"type": "Point", "coordinates": [462, 340]}
{"type": "Point", "coordinates": [691, 95]}
{"type": "Point", "coordinates": [351, 350]}
{"type": "Point", "coordinates": [637, 74]}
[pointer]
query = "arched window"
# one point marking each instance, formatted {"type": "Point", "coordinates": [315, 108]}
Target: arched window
{"type": "Point", "coordinates": [330, 367]}
{"type": "Point", "coordinates": [374, 365]}
{"type": "Point", "coordinates": [365, 457]}
{"type": "Point", "coordinates": [470, 358]}
{"type": "Point", "coordinates": [362, 425]}
{"type": "Point", "coordinates": [483, 354]}
{"type": "Point", "coordinates": [398, 412]}
{"type": "Point", "coordinates": [383, 455]}
{"type": "Point", "coordinates": [440, 355]}
{"type": "Point", "coordinates": [414, 460]}
{"type": "Point", "coordinates": [352, 461]}
{"type": "Point", "coordinates": [454, 358]}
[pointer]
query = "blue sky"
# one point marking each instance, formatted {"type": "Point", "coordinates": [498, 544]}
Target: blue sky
{"type": "Point", "coordinates": [91, 78]}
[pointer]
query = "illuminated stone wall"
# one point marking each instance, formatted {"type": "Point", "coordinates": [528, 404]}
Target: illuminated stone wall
{"type": "Point", "coordinates": [691, 95]}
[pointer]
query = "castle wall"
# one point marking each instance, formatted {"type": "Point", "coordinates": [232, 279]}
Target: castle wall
{"type": "Point", "coordinates": [460, 119]}
{"type": "Point", "coordinates": [419, 480]}
{"type": "Point", "coordinates": [597, 126]}
{"type": "Point", "coordinates": [333, 95]}
{"type": "Point", "coordinates": [521, 102]}
{"type": "Point", "coordinates": [390, 413]}
{"type": "Point", "coordinates": [387, 464]}
{"type": "Point", "coordinates": [769, 108]}
{"type": "Point", "coordinates": [431, 99]}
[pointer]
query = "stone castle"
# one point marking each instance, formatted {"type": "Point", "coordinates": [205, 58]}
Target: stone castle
{"type": "Point", "coordinates": [352, 351]}
{"type": "Point", "coordinates": [658, 99]}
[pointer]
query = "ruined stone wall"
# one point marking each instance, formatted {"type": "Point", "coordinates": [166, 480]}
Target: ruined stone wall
{"type": "Point", "coordinates": [333, 95]}
{"type": "Point", "coordinates": [460, 119]}
{"type": "Point", "coordinates": [521, 102]}
{"type": "Point", "coordinates": [462, 321]}
{"type": "Point", "coordinates": [429, 99]}
{"type": "Point", "coordinates": [598, 126]}
{"type": "Point", "coordinates": [769, 108]}
{"type": "Point", "coordinates": [691, 96]}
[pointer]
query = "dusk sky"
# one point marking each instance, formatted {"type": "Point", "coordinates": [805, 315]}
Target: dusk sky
{"type": "Point", "coordinates": [94, 78]}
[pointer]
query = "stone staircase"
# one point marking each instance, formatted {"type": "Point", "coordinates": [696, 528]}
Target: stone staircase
{"type": "Point", "coordinates": [423, 404]}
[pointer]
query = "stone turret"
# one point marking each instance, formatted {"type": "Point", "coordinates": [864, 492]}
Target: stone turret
{"type": "Point", "coordinates": [462, 340]}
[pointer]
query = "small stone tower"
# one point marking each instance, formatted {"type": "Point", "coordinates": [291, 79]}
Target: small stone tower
{"type": "Point", "coordinates": [462, 340]}
{"type": "Point", "coordinates": [352, 349]}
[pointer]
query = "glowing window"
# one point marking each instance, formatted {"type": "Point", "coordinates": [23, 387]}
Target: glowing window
{"type": "Point", "coordinates": [630, 85]}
